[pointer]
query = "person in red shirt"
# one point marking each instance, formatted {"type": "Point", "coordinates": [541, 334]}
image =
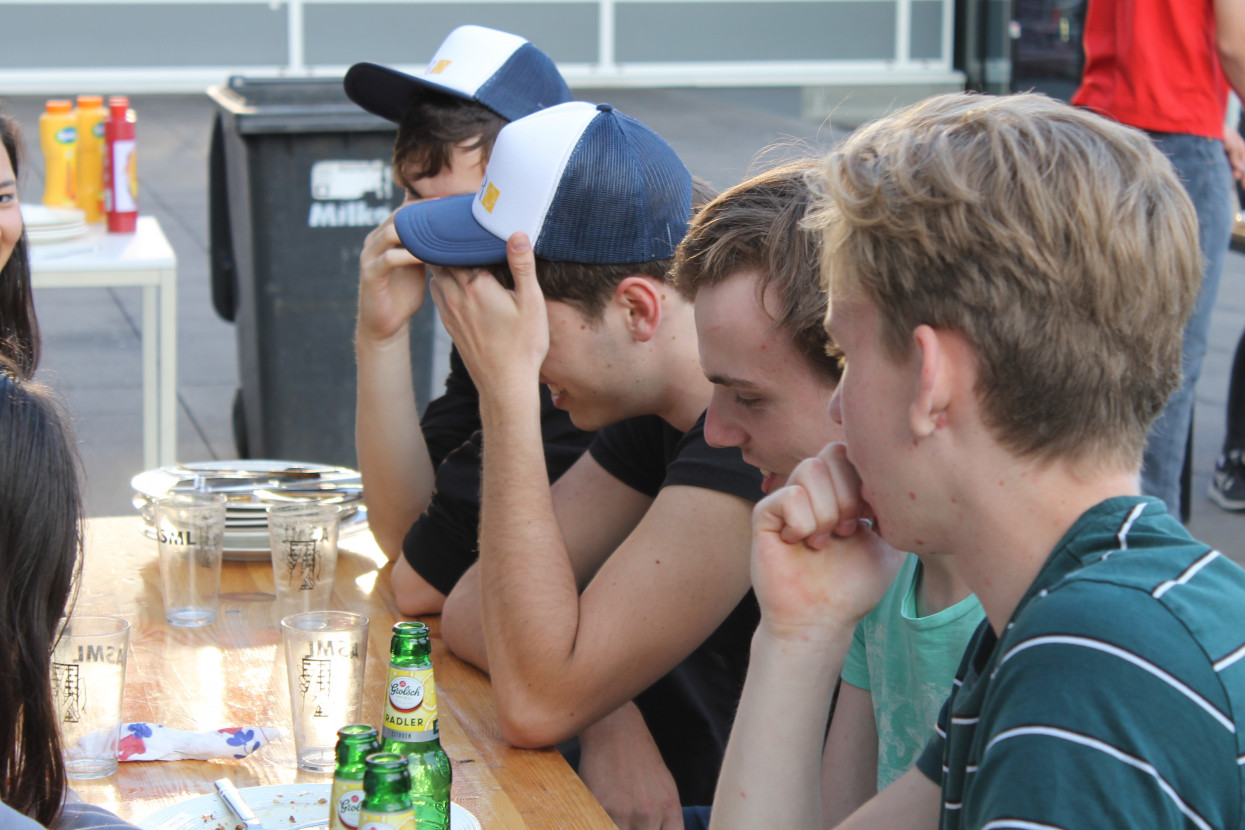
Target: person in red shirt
{"type": "Point", "coordinates": [1165, 66]}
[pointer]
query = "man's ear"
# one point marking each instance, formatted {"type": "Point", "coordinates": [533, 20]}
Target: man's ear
{"type": "Point", "coordinates": [935, 377]}
{"type": "Point", "coordinates": [639, 298]}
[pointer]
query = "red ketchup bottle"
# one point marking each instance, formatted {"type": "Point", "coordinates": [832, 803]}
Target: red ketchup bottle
{"type": "Point", "coordinates": [120, 170]}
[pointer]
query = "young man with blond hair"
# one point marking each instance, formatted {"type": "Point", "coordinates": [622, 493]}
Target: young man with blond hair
{"type": "Point", "coordinates": [1009, 278]}
{"type": "Point", "coordinates": [753, 274]}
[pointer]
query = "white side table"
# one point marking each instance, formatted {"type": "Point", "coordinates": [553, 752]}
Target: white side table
{"type": "Point", "coordinates": [142, 259]}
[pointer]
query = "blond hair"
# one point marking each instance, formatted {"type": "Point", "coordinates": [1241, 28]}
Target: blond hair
{"type": "Point", "coordinates": [757, 225]}
{"type": "Point", "coordinates": [1059, 243]}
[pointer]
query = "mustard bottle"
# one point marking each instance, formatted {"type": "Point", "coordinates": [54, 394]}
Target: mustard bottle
{"type": "Point", "coordinates": [58, 136]}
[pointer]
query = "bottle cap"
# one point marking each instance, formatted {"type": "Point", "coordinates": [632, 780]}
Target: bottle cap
{"type": "Point", "coordinates": [90, 101]}
{"type": "Point", "coordinates": [59, 107]}
{"type": "Point", "coordinates": [119, 101]}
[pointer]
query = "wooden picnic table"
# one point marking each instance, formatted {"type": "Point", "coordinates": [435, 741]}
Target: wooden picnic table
{"type": "Point", "coordinates": [232, 673]}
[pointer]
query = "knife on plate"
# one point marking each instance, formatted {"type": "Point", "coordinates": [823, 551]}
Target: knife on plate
{"type": "Point", "coordinates": [240, 808]}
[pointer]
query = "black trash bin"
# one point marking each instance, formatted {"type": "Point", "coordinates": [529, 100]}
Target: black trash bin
{"type": "Point", "coordinates": [298, 176]}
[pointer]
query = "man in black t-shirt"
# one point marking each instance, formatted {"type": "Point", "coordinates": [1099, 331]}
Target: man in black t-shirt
{"type": "Point", "coordinates": [690, 707]}
{"type": "Point", "coordinates": [602, 589]}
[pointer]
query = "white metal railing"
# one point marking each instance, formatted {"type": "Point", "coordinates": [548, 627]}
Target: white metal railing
{"type": "Point", "coordinates": [607, 71]}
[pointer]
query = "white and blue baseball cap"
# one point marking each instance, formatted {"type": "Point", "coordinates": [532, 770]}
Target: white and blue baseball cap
{"type": "Point", "coordinates": [498, 70]}
{"type": "Point", "coordinates": [583, 181]}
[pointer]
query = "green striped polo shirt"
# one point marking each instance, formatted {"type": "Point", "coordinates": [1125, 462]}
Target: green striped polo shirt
{"type": "Point", "coordinates": [1115, 696]}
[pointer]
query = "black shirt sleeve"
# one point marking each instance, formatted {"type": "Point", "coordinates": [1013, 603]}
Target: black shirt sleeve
{"type": "Point", "coordinates": [646, 454]}
{"type": "Point", "coordinates": [636, 451]}
{"type": "Point", "coordinates": [715, 468]}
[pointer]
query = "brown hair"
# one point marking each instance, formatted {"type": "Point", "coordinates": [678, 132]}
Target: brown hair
{"type": "Point", "coordinates": [19, 329]}
{"type": "Point", "coordinates": [756, 226]}
{"type": "Point", "coordinates": [589, 287]}
{"type": "Point", "coordinates": [40, 554]}
{"type": "Point", "coordinates": [433, 125]}
{"type": "Point", "coordinates": [586, 287]}
{"type": "Point", "coordinates": [1059, 243]}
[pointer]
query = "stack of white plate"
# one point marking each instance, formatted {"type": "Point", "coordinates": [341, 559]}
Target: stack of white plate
{"type": "Point", "coordinates": [52, 224]}
{"type": "Point", "coordinates": [250, 486]}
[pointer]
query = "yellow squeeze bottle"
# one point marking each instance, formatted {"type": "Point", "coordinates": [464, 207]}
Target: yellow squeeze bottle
{"type": "Point", "coordinates": [58, 136]}
{"type": "Point", "coordinates": [91, 117]}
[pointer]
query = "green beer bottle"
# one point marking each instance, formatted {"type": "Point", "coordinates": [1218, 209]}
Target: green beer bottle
{"type": "Point", "coordinates": [411, 727]}
{"type": "Point", "coordinates": [354, 743]}
{"type": "Point", "coordinates": [386, 793]}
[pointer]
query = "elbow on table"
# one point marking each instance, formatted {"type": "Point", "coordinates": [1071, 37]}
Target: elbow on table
{"type": "Point", "coordinates": [526, 724]}
{"type": "Point", "coordinates": [418, 604]}
{"type": "Point", "coordinates": [388, 535]}
{"type": "Point", "coordinates": [412, 593]}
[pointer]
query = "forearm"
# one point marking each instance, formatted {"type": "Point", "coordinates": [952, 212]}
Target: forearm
{"type": "Point", "coordinates": [393, 459]}
{"type": "Point", "coordinates": [460, 621]}
{"type": "Point", "coordinates": [771, 772]}
{"type": "Point", "coordinates": [622, 766]}
{"type": "Point", "coordinates": [528, 595]}
{"type": "Point", "coordinates": [912, 802]}
{"type": "Point", "coordinates": [849, 764]}
{"type": "Point", "coordinates": [1233, 62]}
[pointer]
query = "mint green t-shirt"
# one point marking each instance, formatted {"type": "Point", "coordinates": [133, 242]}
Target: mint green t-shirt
{"type": "Point", "coordinates": [907, 664]}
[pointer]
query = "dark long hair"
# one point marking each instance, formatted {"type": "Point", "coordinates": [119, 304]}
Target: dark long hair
{"type": "Point", "coordinates": [40, 556]}
{"type": "Point", "coordinates": [19, 330]}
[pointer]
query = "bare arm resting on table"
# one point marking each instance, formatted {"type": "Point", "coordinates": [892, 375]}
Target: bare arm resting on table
{"type": "Point", "coordinates": [412, 593]}
{"type": "Point", "coordinates": [580, 492]}
{"type": "Point", "coordinates": [557, 669]}
{"type": "Point", "coordinates": [638, 589]}
{"type": "Point", "coordinates": [816, 570]}
{"type": "Point", "coordinates": [561, 661]}
{"type": "Point", "coordinates": [619, 762]}
{"type": "Point", "coordinates": [618, 759]}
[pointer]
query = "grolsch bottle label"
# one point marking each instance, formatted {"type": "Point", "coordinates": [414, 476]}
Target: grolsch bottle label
{"type": "Point", "coordinates": [410, 705]}
{"type": "Point", "coordinates": [346, 798]}
{"type": "Point", "coordinates": [400, 820]}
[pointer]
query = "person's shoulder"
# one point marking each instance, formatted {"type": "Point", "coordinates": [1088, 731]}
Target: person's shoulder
{"type": "Point", "coordinates": [695, 463]}
{"type": "Point", "coordinates": [1170, 611]}
{"type": "Point", "coordinates": [635, 451]}
{"type": "Point", "coordinates": [1129, 659]}
{"type": "Point", "coordinates": [1129, 590]}
{"type": "Point", "coordinates": [643, 430]}
{"type": "Point", "coordinates": [78, 815]}
{"type": "Point", "coordinates": [1157, 573]}
{"type": "Point", "coordinates": [1130, 554]}
{"type": "Point", "coordinates": [10, 819]}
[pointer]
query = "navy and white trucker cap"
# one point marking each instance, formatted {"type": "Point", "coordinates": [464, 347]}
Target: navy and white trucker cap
{"type": "Point", "coordinates": [498, 70]}
{"type": "Point", "coordinates": [585, 182]}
